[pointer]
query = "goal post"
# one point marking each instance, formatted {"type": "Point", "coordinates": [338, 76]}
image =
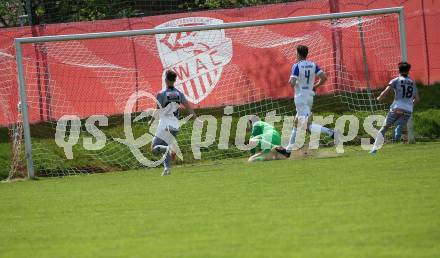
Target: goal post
{"type": "Point", "coordinates": [24, 110]}
{"type": "Point", "coordinates": [20, 42]}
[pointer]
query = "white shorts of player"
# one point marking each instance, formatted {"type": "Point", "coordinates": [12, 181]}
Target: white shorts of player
{"type": "Point", "coordinates": [166, 124]}
{"type": "Point", "coordinates": [303, 104]}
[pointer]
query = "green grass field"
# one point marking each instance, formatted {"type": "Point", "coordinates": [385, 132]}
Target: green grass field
{"type": "Point", "coordinates": [356, 205]}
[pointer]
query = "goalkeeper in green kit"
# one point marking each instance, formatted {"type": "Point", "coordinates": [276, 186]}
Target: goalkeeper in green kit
{"type": "Point", "coordinates": [264, 137]}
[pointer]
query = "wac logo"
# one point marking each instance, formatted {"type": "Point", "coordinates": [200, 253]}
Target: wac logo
{"type": "Point", "coordinates": [197, 57]}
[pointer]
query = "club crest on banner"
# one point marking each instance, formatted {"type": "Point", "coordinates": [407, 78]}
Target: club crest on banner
{"type": "Point", "coordinates": [197, 57]}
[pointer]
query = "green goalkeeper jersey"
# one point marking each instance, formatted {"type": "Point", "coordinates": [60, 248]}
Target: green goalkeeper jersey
{"type": "Point", "coordinates": [267, 137]}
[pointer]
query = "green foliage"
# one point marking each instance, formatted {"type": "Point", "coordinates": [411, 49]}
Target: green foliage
{"type": "Point", "coordinates": [5, 159]}
{"type": "Point", "coordinates": [427, 124]}
{"type": "Point", "coordinates": [429, 96]}
{"type": "Point", "coordinates": [83, 10]}
{"type": "Point", "coordinates": [57, 11]}
{"type": "Point", "coordinates": [217, 4]}
{"type": "Point", "coordinates": [5, 152]}
{"type": "Point", "coordinates": [9, 13]}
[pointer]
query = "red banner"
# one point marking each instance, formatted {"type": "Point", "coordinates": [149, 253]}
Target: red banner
{"type": "Point", "coordinates": [214, 68]}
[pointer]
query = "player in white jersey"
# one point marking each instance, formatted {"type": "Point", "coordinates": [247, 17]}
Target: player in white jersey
{"type": "Point", "coordinates": [303, 80]}
{"type": "Point", "coordinates": [405, 96]}
{"type": "Point", "coordinates": [168, 113]}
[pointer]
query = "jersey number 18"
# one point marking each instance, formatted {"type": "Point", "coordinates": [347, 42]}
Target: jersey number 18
{"type": "Point", "coordinates": [407, 91]}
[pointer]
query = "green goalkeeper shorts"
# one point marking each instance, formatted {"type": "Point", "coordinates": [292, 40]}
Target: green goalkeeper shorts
{"type": "Point", "coordinates": [269, 140]}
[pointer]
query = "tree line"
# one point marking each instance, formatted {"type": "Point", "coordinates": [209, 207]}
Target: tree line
{"type": "Point", "coordinates": [16, 12]}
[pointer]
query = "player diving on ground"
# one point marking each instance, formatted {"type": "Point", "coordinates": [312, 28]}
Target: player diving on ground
{"type": "Point", "coordinates": [264, 137]}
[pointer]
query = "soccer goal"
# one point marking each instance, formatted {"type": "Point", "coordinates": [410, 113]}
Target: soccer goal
{"type": "Point", "coordinates": [74, 108]}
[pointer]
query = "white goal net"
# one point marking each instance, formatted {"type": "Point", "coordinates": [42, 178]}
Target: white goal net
{"type": "Point", "coordinates": [79, 89]}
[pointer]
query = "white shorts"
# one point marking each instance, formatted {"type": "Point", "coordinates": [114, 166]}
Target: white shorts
{"type": "Point", "coordinates": [303, 104]}
{"type": "Point", "coordinates": [166, 126]}
{"type": "Point", "coordinates": [168, 122]}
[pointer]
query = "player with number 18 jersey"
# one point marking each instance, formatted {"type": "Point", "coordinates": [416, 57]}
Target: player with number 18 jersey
{"type": "Point", "coordinates": [405, 96]}
{"type": "Point", "coordinates": [404, 92]}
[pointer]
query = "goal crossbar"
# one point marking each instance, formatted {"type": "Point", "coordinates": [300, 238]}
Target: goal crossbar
{"type": "Point", "coordinates": [229, 25]}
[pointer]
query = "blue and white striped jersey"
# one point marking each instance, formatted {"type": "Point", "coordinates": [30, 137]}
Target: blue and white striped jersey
{"type": "Point", "coordinates": [304, 72]}
{"type": "Point", "coordinates": [404, 93]}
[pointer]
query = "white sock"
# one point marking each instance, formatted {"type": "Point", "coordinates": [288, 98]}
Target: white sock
{"type": "Point", "coordinates": [291, 140]}
{"type": "Point", "coordinates": [321, 129]}
{"type": "Point", "coordinates": [379, 139]}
